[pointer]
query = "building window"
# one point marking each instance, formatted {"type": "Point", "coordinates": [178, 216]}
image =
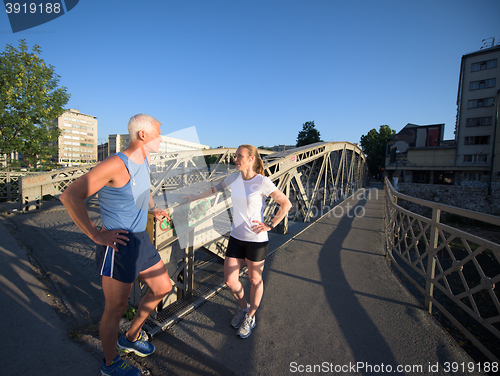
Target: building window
{"type": "Point", "coordinates": [479, 121]}
{"type": "Point", "coordinates": [422, 178]}
{"type": "Point", "coordinates": [483, 65]}
{"type": "Point", "coordinates": [477, 140]}
{"type": "Point", "coordinates": [482, 84]}
{"type": "Point", "coordinates": [480, 103]}
{"type": "Point", "coordinates": [473, 176]}
{"type": "Point", "coordinates": [472, 158]}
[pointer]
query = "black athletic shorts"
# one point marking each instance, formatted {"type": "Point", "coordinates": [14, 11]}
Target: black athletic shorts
{"type": "Point", "coordinates": [247, 250]}
{"type": "Point", "coordinates": [125, 265]}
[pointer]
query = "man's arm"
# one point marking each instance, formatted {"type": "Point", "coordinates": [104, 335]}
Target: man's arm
{"type": "Point", "coordinates": [159, 213]}
{"type": "Point", "coordinates": [85, 186]}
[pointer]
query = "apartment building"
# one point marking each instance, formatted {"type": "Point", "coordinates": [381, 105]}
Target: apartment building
{"type": "Point", "coordinates": [476, 135]}
{"type": "Point", "coordinates": [102, 151]}
{"type": "Point", "coordinates": [77, 143]}
{"type": "Point", "coordinates": [418, 154]}
{"type": "Point", "coordinates": [117, 142]}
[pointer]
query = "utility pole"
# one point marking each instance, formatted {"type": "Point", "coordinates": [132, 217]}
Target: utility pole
{"type": "Point", "coordinates": [493, 144]}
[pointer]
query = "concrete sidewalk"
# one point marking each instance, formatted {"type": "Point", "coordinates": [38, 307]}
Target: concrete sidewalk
{"type": "Point", "coordinates": [331, 305]}
{"type": "Point", "coordinates": [37, 340]}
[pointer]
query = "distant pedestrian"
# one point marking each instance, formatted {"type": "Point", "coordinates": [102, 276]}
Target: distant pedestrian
{"type": "Point", "coordinates": [248, 240]}
{"type": "Point", "coordinates": [124, 251]}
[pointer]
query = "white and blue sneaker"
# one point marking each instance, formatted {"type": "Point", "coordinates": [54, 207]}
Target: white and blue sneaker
{"type": "Point", "coordinates": [140, 347]}
{"type": "Point", "coordinates": [240, 315]}
{"type": "Point", "coordinates": [119, 367]}
{"type": "Point", "coordinates": [246, 326]}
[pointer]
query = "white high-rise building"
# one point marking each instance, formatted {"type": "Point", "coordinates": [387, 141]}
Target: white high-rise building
{"type": "Point", "coordinates": [476, 133]}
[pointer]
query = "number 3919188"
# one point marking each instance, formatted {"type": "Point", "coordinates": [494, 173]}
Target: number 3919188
{"type": "Point", "coordinates": [33, 8]}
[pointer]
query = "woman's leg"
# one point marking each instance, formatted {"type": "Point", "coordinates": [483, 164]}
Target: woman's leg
{"type": "Point", "coordinates": [232, 267]}
{"type": "Point", "coordinates": [255, 269]}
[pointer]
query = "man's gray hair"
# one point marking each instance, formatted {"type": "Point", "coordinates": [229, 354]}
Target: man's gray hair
{"type": "Point", "coordinates": [140, 122]}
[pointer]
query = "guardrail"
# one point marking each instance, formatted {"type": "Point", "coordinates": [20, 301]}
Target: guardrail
{"type": "Point", "coordinates": [455, 271]}
{"type": "Point", "coordinates": [9, 185]}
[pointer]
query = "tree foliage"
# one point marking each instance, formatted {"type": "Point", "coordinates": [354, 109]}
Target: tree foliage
{"type": "Point", "coordinates": [211, 159]}
{"type": "Point", "coordinates": [374, 144]}
{"type": "Point", "coordinates": [308, 135]}
{"type": "Point", "coordinates": [30, 98]}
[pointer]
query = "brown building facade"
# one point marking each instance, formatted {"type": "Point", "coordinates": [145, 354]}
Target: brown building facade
{"type": "Point", "coordinates": [77, 143]}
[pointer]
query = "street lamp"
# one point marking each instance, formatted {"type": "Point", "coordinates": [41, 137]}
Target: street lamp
{"type": "Point", "coordinates": [395, 177]}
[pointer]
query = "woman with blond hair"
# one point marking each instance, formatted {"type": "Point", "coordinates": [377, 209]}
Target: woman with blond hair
{"type": "Point", "coordinates": [248, 240]}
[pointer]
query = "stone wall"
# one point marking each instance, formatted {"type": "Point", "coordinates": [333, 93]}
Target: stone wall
{"type": "Point", "coordinates": [466, 197]}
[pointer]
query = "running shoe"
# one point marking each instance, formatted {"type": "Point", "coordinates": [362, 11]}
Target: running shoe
{"type": "Point", "coordinates": [240, 315]}
{"type": "Point", "coordinates": [139, 347]}
{"type": "Point", "coordinates": [143, 336]}
{"type": "Point", "coordinates": [246, 327]}
{"type": "Point", "coordinates": [119, 367]}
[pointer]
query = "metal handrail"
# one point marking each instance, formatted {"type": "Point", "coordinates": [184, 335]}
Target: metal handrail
{"type": "Point", "coordinates": [462, 267]}
{"type": "Point", "coordinates": [10, 182]}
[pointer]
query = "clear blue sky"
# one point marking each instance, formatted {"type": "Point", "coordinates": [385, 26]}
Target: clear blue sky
{"type": "Point", "coordinates": [253, 71]}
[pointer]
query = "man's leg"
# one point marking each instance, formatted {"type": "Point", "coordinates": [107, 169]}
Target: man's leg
{"type": "Point", "coordinates": [158, 281]}
{"type": "Point", "coordinates": [116, 296]}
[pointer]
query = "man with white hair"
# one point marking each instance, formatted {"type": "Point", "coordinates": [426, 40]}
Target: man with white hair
{"type": "Point", "coordinates": [124, 251]}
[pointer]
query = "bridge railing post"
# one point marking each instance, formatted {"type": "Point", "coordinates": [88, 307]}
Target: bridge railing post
{"type": "Point", "coordinates": [391, 218]}
{"type": "Point", "coordinates": [8, 185]}
{"type": "Point", "coordinates": [431, 260]}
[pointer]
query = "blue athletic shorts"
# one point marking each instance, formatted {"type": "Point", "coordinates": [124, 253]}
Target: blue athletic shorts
{"type": "Point", "coordinates": [125, 265]}
{"type": "Point", "coordinates": [241, 249]}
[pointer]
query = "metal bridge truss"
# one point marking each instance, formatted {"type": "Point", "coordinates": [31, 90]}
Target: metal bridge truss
{"type": "Point", "coordinates": [316, 176]}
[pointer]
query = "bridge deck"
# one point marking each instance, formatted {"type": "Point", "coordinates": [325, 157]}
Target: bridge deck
{"type": "Point", "coordinates": [330, 301]}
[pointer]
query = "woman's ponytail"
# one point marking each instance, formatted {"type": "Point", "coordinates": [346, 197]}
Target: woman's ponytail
{"type": "Point", "coordinates": [258, 166]}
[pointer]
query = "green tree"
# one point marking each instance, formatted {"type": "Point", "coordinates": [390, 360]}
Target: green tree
{"type": "Point", "coordinates": [211, 159]}
{"type": "Point", "coordinates": [30, 98]}
{"type": "Point", "coordinates": [308, 135]}
{"type": "Point", "coordinates": [374, 146]}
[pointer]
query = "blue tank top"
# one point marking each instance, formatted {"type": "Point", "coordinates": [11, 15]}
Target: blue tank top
{"type": "Point", "coordinates": [127, 207]}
